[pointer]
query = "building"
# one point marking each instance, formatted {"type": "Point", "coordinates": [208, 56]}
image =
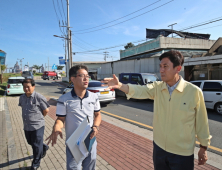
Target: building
{"type": "Point", "coordinates": [92, 67]}
{"type": "Point", "coordinates": [144, 58]}
{"type": "Point", "coordinates": [2, 57]}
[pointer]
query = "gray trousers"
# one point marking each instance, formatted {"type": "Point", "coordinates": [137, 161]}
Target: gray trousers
{"type": "Point", "coordinates": [89, 163]}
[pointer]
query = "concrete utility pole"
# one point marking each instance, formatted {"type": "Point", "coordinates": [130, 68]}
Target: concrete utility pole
{"type": "Point", "coordinates": [172, 27]}
{"type": "Point", "coordinates": [68, 37]}
{"type": "Point", "coordinates": [48, 63]}
{"type": "Point", "coordinates": [105, 55]}
{"type": "Point", "coordinates": [70, 48]}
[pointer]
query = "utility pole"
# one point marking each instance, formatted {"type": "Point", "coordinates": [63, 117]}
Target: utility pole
{"type": "Point", "coordinates": [68, 37]}
{"type": "Point", "coordinates": [105, 55]}
{"type": "Point", "coordinates": [172, 27]}
{"type": "Point", "coordinates": [48, 63]}
{"type": "Point", "coordinates": [70, 48]}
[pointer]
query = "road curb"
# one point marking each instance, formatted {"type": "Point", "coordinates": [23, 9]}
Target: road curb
{"type": "Point", "coordinates": [12, 152]}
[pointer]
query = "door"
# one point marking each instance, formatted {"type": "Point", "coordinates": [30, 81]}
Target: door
{"type": "Point", "coordinates": [212, 92]}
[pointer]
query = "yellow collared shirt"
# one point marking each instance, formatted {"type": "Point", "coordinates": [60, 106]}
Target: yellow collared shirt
{"type": "Point", "coordinates": [178, 119]}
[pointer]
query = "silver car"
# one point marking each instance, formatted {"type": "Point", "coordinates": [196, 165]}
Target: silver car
{"type": "Point", "coordinates": [96, 87]}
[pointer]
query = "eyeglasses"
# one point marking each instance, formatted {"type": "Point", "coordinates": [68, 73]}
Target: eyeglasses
{"type": "Point", "coordinates": [83, 76]}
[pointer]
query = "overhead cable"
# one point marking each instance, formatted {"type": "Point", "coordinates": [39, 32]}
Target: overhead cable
{"type": "Point", "coordinates": [128, 19]}
{"type": "Point", "coordinates": [118, 18]}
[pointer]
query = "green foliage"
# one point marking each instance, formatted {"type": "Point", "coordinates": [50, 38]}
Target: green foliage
{"type": "Point", "coordinates": [37, 67]}
{"type": "Point", "coordinates": [33, 71]}
{"type": "Point", "coordinates": [2, 89]}
{"type": "Point", "coordinates": [129, 45]}
{"type": "Point", "coordinates": [60, 67]}
{"type": "Point", "coordinates": [3, 67]}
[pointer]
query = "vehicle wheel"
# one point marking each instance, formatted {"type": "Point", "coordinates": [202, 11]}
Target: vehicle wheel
{"type": "Point", "coordinates": [218, 108]}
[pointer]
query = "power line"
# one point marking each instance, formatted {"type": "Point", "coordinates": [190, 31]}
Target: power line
{"type": "Point", "coordinates": [59, 9]}
{"type": "Point", "coordinates": [110, 47]}
{"type": "Point", "coordinates": [63, 10]}
{"type": "Point", "coordinates": [128, 19]}
{"type": "Point", "coordinates": [202, 23]}
{"type": "Point", "coordinates": [118, 18]}
{"type": "Point", "coordinates": [84, 41]}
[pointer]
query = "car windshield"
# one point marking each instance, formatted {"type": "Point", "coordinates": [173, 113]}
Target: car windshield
{"type": "Point", "coordinates": [95, 84]}
{"type": "Point", "coordinates": [150, 78]}
{"type": "Point", "coordinates": [26, 73]}
{"type": "Point", "coordinates": [12, 81]}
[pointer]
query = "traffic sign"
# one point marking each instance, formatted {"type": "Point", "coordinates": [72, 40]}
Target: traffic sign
{"type": "Point", "coordinates": [60, 58]}
{"type": "Point", "coordinates": [54, 67]}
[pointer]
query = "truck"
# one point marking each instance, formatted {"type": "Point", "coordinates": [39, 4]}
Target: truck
{"type": "Point", "coordinates": [51, 75]}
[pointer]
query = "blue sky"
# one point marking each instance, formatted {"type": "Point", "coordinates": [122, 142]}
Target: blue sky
{"type": "Point", "coordinates": [27, 26]}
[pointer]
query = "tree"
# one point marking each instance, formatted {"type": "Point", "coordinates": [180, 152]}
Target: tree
{"type": "Point", "coordinates": [129, 45]}
{"type": "Point", "coordinates": [60, 67]}
{"type": "Point", "coordinates": [37, 67]}
{"type": "Point", "coordinates": [3, 67]}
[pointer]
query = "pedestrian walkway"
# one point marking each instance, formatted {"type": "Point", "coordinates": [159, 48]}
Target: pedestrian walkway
{"type": "Point", "coordinates": [118, 148]}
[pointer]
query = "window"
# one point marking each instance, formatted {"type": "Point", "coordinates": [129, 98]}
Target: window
{"type": "Point", "coordinates": [95, 84]}
{"type": "Point", "coordinates": [137, 79]}
{"type": "Point", "coordinates": [150, 78]}
{"type": "Point", "coordinates": [196, 83]}
{"type": "Point", "coordinates": [212, 86]}
{"type": "Point", "coordinates": [125, 77]}
{"type": "Point", "coordinates": [12, 81]}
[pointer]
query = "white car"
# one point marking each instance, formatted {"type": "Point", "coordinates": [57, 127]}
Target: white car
{"type": "Point", "coordinates": [15, 85]}
{"type": "Point", "coordinates": [212, 91]}
{"type": "Point", "coordinates": [96, 87]}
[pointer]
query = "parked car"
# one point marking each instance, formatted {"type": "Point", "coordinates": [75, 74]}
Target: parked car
{"type": "Point", "coordinates": [14, 85]}
{"type": "Point", "coordinates": [27, 74]}
{"type": "Point", "coordinates": [136, 78]}
{"type": "Point", "coordinates": [96, 87]}
{"type": "Point", "coordinates": [51, 75]}
{"type": "Point", "coordinates": [212, 91]}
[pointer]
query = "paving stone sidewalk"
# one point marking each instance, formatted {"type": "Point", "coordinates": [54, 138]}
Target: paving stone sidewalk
{"type": "Point", "coordinates": [117, 148]}
{"type": "Point", "coordinates": [55, 157]}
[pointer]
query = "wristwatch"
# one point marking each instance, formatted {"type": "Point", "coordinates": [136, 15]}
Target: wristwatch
{"type": "Point", "coordinates": [204, 147]}
{"type": "Point", "coordinates": [97, 127]}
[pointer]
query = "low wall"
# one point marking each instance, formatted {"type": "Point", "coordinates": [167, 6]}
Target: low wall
{"type": "Point", "coordinates": [37, 77]}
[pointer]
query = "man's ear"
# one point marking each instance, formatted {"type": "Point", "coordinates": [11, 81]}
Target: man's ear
{"type": "Point", "coordinates": [72, 78]}
{"type": "Point", "coordinates": [179, 68]}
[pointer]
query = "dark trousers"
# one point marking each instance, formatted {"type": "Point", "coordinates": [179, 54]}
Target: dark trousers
{"type": "Point", "coordinates": [163, 160]}
{"type": "Point", "coordinates": [35, 139]}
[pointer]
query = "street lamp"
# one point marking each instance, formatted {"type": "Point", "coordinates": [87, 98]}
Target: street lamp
{"type": "Point", "coordinates": [69, 58]}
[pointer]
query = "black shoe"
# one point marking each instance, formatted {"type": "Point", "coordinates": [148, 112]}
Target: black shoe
{"type": "Point", "coordinates": [34, 168]}
{"type": "Point", "coordinates": [44, 151]}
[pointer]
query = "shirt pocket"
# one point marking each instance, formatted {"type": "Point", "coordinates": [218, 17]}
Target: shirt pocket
{"type": "Point", "coordinates": [186, 111]}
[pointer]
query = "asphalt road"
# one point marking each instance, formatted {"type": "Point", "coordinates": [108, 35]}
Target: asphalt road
{"type": "Point", "coordinates": [137, 110]}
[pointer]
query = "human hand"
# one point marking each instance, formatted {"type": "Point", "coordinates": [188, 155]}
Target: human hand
{"type": "Point", "coordinates": [94, 133]}
{"type": "Point", "coordinates": [53, 136]}
{"type": "Point", "coordinates": [112, 83]}
{"type": "Point", "coordinates": [202, 156]}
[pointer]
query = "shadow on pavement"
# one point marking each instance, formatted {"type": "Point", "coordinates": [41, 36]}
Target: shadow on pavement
{"type": "Point", "coordinates": [52, 102]}
{"type": "Point", "coordinates": [15, 161]}
{"type": "Point", "coordinates": [146, 105]}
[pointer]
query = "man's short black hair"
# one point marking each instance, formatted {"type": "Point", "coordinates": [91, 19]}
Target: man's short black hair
{"type": "Point", "coordinates": [73, 71]}
{"type": "Point", "coordinates": [31, 81]}
{"type": "Point", "coordinates": [174, 56]}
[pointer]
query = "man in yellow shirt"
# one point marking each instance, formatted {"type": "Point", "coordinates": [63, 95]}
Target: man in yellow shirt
{"type": "Point", "coordinates": [179, 115]}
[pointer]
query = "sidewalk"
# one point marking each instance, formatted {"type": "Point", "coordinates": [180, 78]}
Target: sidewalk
{"type": "Point", "coordinates": [120, 144]}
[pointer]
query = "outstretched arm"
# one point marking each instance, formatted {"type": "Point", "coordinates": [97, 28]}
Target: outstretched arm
{"type": "Point", "coordinates": [113, 83]}
{"type": "Point", "coordinates": [57, 130]}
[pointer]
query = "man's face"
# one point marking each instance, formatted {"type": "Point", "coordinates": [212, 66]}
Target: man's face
{"type": "Point", "coordinates": [81, 81]}
{"type": "Point", "coordinates": [28, 88]}
{"type": "Point", "coordinates": [167, 71]}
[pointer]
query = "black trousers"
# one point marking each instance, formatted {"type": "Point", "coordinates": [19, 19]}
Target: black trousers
{"type": "Point", "coordinates": [163, 160]}
{"type": "Point", "coordinates": [35, 139]}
